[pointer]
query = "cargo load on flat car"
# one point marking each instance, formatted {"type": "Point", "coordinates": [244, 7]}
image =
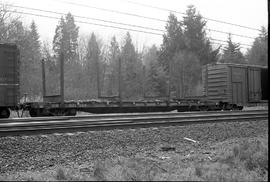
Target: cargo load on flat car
{"type": "Point", "coordinates": [9, 78]}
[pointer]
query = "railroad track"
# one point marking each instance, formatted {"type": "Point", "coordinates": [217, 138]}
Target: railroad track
{"type": "Point", "coordinates": [24, 126]}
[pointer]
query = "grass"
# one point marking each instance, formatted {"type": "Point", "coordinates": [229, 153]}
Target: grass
{"type": "Point", "coordinates": [247, 161]}
{"type": "Point", "coordinates": [252, 155]}
{"type": "Point", "coordinates": [69, 175]}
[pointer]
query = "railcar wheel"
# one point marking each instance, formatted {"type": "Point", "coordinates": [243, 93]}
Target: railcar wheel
{"type": "Point", "coordinates": [4, 113]}
{"type": "Point", "coordinates": [33, 112]}
{"type": "Point", "coordinates": [204, 108]}
{"type": "Point", "coordinates": [71, 112]}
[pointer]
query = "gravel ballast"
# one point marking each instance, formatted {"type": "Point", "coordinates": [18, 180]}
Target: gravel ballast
{"type": "Point", "coordinates": [39, 152]}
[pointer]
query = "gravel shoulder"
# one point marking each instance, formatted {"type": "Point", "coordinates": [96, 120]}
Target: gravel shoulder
{"type": "Point", "coordinates": [81, 152]}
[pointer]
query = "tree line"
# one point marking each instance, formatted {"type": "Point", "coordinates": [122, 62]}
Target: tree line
{"type": "Point", "coordinates": [92, 66]}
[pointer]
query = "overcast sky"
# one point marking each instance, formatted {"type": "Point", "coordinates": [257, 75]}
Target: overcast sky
{"type": "Point", "coordinates": [250, 13]}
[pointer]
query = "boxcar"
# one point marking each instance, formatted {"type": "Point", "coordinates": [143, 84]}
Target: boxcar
{"type": "Point", "coordinates": [9, 78]}
{"type": "Point", "coordinates": [235, 83]}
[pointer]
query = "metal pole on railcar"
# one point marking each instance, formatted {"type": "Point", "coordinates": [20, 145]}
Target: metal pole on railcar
{"type": "Point", "coordinates": [182, 94]}
{"type": "Point", "coordinates": [120, 81]}
{"type": "Point", "coordinates": [98, 82]}
{"type": "Point", "coordinates": [144, 82]}
{"type": "Point", "coordinates": [169, 82]}
{"type": "Point", "coordinates": [178, 67]}
{"type": "Point", "coordinates": [62, 78]}
{"type": "Point", "coordinates": [43, 78]}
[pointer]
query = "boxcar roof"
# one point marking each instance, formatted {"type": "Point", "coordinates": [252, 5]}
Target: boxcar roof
{"type": "Point", "coordinates": [241, 65]}
{"type": "Point", "coordinates": [8, 45]}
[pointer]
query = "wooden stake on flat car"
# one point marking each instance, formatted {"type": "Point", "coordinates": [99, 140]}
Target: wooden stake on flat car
{"type": "Point", "coordinates": [43, 78]}
{"type": "Point", "coordinates": [62, 78]}
{"type": "Point", "coordinates": [120, 81]}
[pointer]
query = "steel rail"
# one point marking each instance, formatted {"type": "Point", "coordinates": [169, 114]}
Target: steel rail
{"type": "Point", "coordinates": [128, 117]}
{"type": "Point", "coordinates": [122, 118]}
{"type": "Point", "coordinates": [121, 122]}
{"type": "Point", "coordinates": [125, 122]}
{"type": "Point", "coordinates": [118, 115]}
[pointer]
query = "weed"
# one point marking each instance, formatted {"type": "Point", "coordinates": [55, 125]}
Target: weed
{"type": "Point", "coordinates": [99, 172]}
{"type": "Point", "coordinates": [60, 174]}
{"type": "Point", "coordinates": [198, 171]}
{"type": "Point", "coordinates": [251, 155]}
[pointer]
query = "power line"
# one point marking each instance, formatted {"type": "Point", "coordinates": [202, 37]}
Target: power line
{"type": "Point", "coordinates": [109, 26]}
{"type": "Point", "coordinates": [96, 19]}
{"type": "Point", "coordinates": [210, 19]}
{"type": "Point", "coordinates": [110, 10]}
{"type": "Point", "coordinates": [47, 11]}
{"type": "Point", "coordinates": [145, 17]}
{"type": "Point", "coordinates": [222, 44]}
{"type": "Point", "coordinates": [218, 43]}
{"type": "Point", "coordinates": [219, 31]}
{"type": "Point", "coordinates": [226, 42]}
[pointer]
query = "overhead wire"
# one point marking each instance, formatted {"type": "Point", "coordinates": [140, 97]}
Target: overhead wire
{"type": "Point", "coordinates": [217, 42]}
{"type": "Point", "coordinates": [109, 10]}
{"type": "Point", "coordinates": [47, 11]}
{"type": "Point", "coordinates": [178, 12]}
{"type": "Point", "coordinates": [226, 41]}
{"type": "Point", "coordinates": [96, 19]}
{"type": "Point", "coordinates": [109, 26]}
{"type": "Point", "coordinates": [78, 21]}
{"type": "Point", "coordinates": [140, 16]}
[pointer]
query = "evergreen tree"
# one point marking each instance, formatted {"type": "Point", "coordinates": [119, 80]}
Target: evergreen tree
{"type": "Point", "coordinates": [131, 69]}
{"type": "Point", "coordinates": [92, 65]}
{"type": "Point", "coordinates": [150, 55]}
{"type": "Point", "coordinates": [66, 38]}
{"type": "Point", "coordinates": [173, 41]}
{"type": "Point", "coordinates": [186, 36]}
{"type": "Point", "coordinates": [34, 60]}
{"type": "Point", "coordinates": [66, 41]}
{"type": "Point", "coordinates": [58, 40]}
{"type": "Point", "coordinates": [34, 36]}
{"type": "Point", "coordinates": [72, 37]}
{"type": "Point", "coordinates": [156, 77]}
{"type": "Point", "coordinates": [113, 63]}
{"type": "Point", "coordinates": [51, 70]}
{"type": "Point", "coordinates": [186, 74]}
{"type": "Point", "coordinates": [196, 39]}
{"type": "Point", "coordinates": [258, 54]}
{"type": "Point", "coordinates": [232, 53]}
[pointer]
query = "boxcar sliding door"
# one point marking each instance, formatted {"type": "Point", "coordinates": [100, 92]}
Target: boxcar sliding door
{"type": "Point", "coordinates": [238, 85]}
{"type": "Point", "coordinates": [237, 92]}
{"type": "Point", "coordinates": [254, 85]}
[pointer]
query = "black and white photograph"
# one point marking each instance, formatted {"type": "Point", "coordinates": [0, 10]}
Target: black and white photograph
{"type": "Point", "coordinates": [134, 90]}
